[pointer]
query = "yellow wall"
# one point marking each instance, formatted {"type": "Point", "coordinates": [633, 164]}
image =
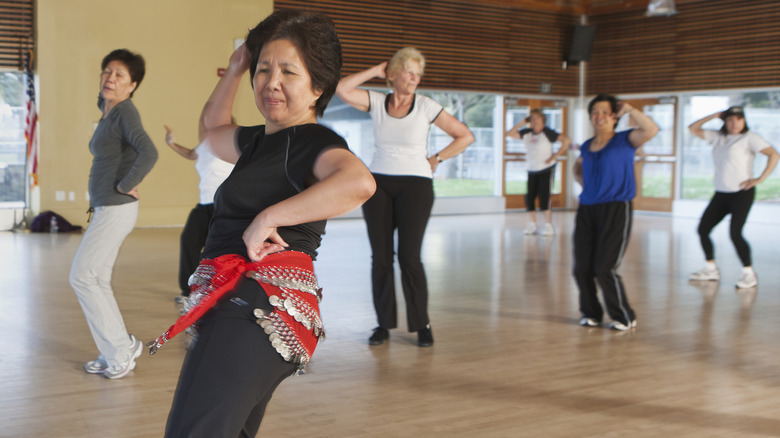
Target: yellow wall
{"type": "Point", "coordinates": [184, 42]}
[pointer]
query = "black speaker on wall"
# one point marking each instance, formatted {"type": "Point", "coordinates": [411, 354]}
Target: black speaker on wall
{"type": "Point", "coordinates": [581, 43]}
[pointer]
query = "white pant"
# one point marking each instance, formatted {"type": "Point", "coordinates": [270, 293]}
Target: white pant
{"type": "Point", "coordinates": [90, 277]}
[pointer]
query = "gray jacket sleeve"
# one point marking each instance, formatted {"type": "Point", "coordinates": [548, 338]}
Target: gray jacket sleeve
{"type": "Point", "coordinates": [133, 133]}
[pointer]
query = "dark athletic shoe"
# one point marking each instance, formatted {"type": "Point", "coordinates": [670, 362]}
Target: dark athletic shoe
{"type": "Point", "coordinates": [380, 335]}
{"type": "Point", "coordinates": [425, 337]}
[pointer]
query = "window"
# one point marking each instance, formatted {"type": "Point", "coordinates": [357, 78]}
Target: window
{"type": "Point", "coordinates": [13, 146]}
{"type": "Point", "coordinates": [471, 173]}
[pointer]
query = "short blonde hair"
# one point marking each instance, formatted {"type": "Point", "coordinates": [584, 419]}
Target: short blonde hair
{"type": "Point", "coordinates": [401, 58]}
{"type": "Point", "coordinates": [537, 112]}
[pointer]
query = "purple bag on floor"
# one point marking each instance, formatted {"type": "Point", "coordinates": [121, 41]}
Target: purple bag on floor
{"type": "Point", "coordinates": [44, 222]}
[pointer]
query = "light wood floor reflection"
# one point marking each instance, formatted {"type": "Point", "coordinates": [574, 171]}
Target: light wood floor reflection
{"type": "Point", "coordinates": [509, 358]}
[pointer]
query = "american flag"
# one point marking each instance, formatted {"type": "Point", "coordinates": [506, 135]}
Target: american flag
{"type": "Point", "coordinates": [31, 123]}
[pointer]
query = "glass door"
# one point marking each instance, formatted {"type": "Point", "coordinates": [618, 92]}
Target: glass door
{"type": "Point", "coordinates": [515, 169]}
{"type": "Point", "coordinates": [656, 160]}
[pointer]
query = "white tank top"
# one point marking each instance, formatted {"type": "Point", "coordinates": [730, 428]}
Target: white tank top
{"type": "Point", "coordinates": [211, 170]}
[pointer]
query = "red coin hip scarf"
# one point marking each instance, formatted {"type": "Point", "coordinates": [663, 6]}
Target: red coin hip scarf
{"type": "Point", "coordinates": [293, 326]}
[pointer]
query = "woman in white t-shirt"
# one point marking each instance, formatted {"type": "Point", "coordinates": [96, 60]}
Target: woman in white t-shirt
{"type": "Point", "coordinates": [733, 149]}
{"type": "Point", "coordinates": [212, 172]}
{"type": "Point", "coordinates": [541, 162]}
{"type": "Point", "coordinates": [403, 171]}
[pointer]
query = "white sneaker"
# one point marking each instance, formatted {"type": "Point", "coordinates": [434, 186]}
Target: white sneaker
{"type": "Point", "coordinates": [704, 274]}
{"type": "Point", "coordinates": [619, 326]}
{"type": "Point", "coordinates": [96, 366]}
{"type": "Point", "coordinates": [747, 280]}
{"type": "Point", "coordinates": [531, 228]}
{"type": "Point", "coordinates": [548, 230]}
{"type": "Point", "coordinates": [128, 364]}
{"type": "Point", "coordinates": [589, 322]}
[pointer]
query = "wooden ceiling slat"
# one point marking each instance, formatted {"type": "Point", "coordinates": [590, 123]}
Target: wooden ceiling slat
{"type": "Point", "coordinates": [510, 46]}
{"type": "Point", "coordinates": [16, 31]}
{"type": "Point", "coordinates": [710, 44]}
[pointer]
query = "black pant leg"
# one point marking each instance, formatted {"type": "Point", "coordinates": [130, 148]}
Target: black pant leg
{"type": "Point", "coordinates": [716, 210]}
{"type": "Point", "coordinates": [614, 230]}
{"type": "Point", "coordinates": [739, 205]}
{"type": "Point", "coordinates": [584, 274]}
{"type": "Point", "coordinates": [252, 424]}
{"type": "Point", "coordinates": [230, 374]}
{"type": "Point", "coordinates": [545, 188]}
{"type": "Point", "coordinates": [378, 214]}
{"type": "Point", "coordinates": [532, 190]}
{"type": "Point", "coordinates": [413, 204]}
{"type": "Point", "coordinates": [191, 242]}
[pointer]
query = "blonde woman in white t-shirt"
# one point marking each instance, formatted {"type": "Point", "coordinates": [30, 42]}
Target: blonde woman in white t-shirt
{"type": "Point", "coordinates": [403, 171]}
{"type": "Point", "coordinates": [734, 148]}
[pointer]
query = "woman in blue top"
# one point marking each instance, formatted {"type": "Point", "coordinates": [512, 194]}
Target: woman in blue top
{"type": "Point", "coordinates": [605, 170]}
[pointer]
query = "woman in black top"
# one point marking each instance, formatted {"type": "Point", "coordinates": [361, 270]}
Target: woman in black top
{"type": "Point", "coordinates": [291, 174]}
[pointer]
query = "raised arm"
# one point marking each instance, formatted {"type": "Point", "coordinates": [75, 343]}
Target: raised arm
{"type": "Point", "coordinates": [461, 138]}
{"type": "Point", "coordinates": [170, 140]}
{"type": "Point", "coordinates": [349, 92]}
{"type": "Point", "coordinates": [771, 162]}
{"type": "Point", "coordinates": [514, 132]}
{"type": "Point", "coordinates": [696, 127]}
{"type": "Point", "coordinates": [215, 118]}
{"type": "Point", "coordinates": [646, 127]}
{"type": "Point", "coordinates": [344, 183]}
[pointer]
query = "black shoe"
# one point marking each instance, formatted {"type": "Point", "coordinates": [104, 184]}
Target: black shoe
{"type": "Point", "coordinates": [379, 337]}
{"type": "Point", "coordinates": [425, 337]}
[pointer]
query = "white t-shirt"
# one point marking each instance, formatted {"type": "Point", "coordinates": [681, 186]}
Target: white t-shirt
{"type": "Point", "coordinates": [401, 144]}
{"type": "Point", "coordinates": [211, 170]}
{"type": "Point", "coordinates": [539, 147]}
{"type": "Point", "coordinates": [733, 156]}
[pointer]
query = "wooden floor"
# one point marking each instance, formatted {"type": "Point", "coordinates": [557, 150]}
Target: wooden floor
{"type": "Point", "coordinates": [509, 359]}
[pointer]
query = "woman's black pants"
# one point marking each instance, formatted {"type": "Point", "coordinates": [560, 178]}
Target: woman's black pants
{"type": "Point", "coordinates": [600, 237]}
{"type": "Point", "coordinates": [736, 204]}
{"type": "Point", "coordinates": [191, 242]}
{"type": "Point", "coordinates": [400, 203]}
{"type": "Point", "coordinates": [231, 372]}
